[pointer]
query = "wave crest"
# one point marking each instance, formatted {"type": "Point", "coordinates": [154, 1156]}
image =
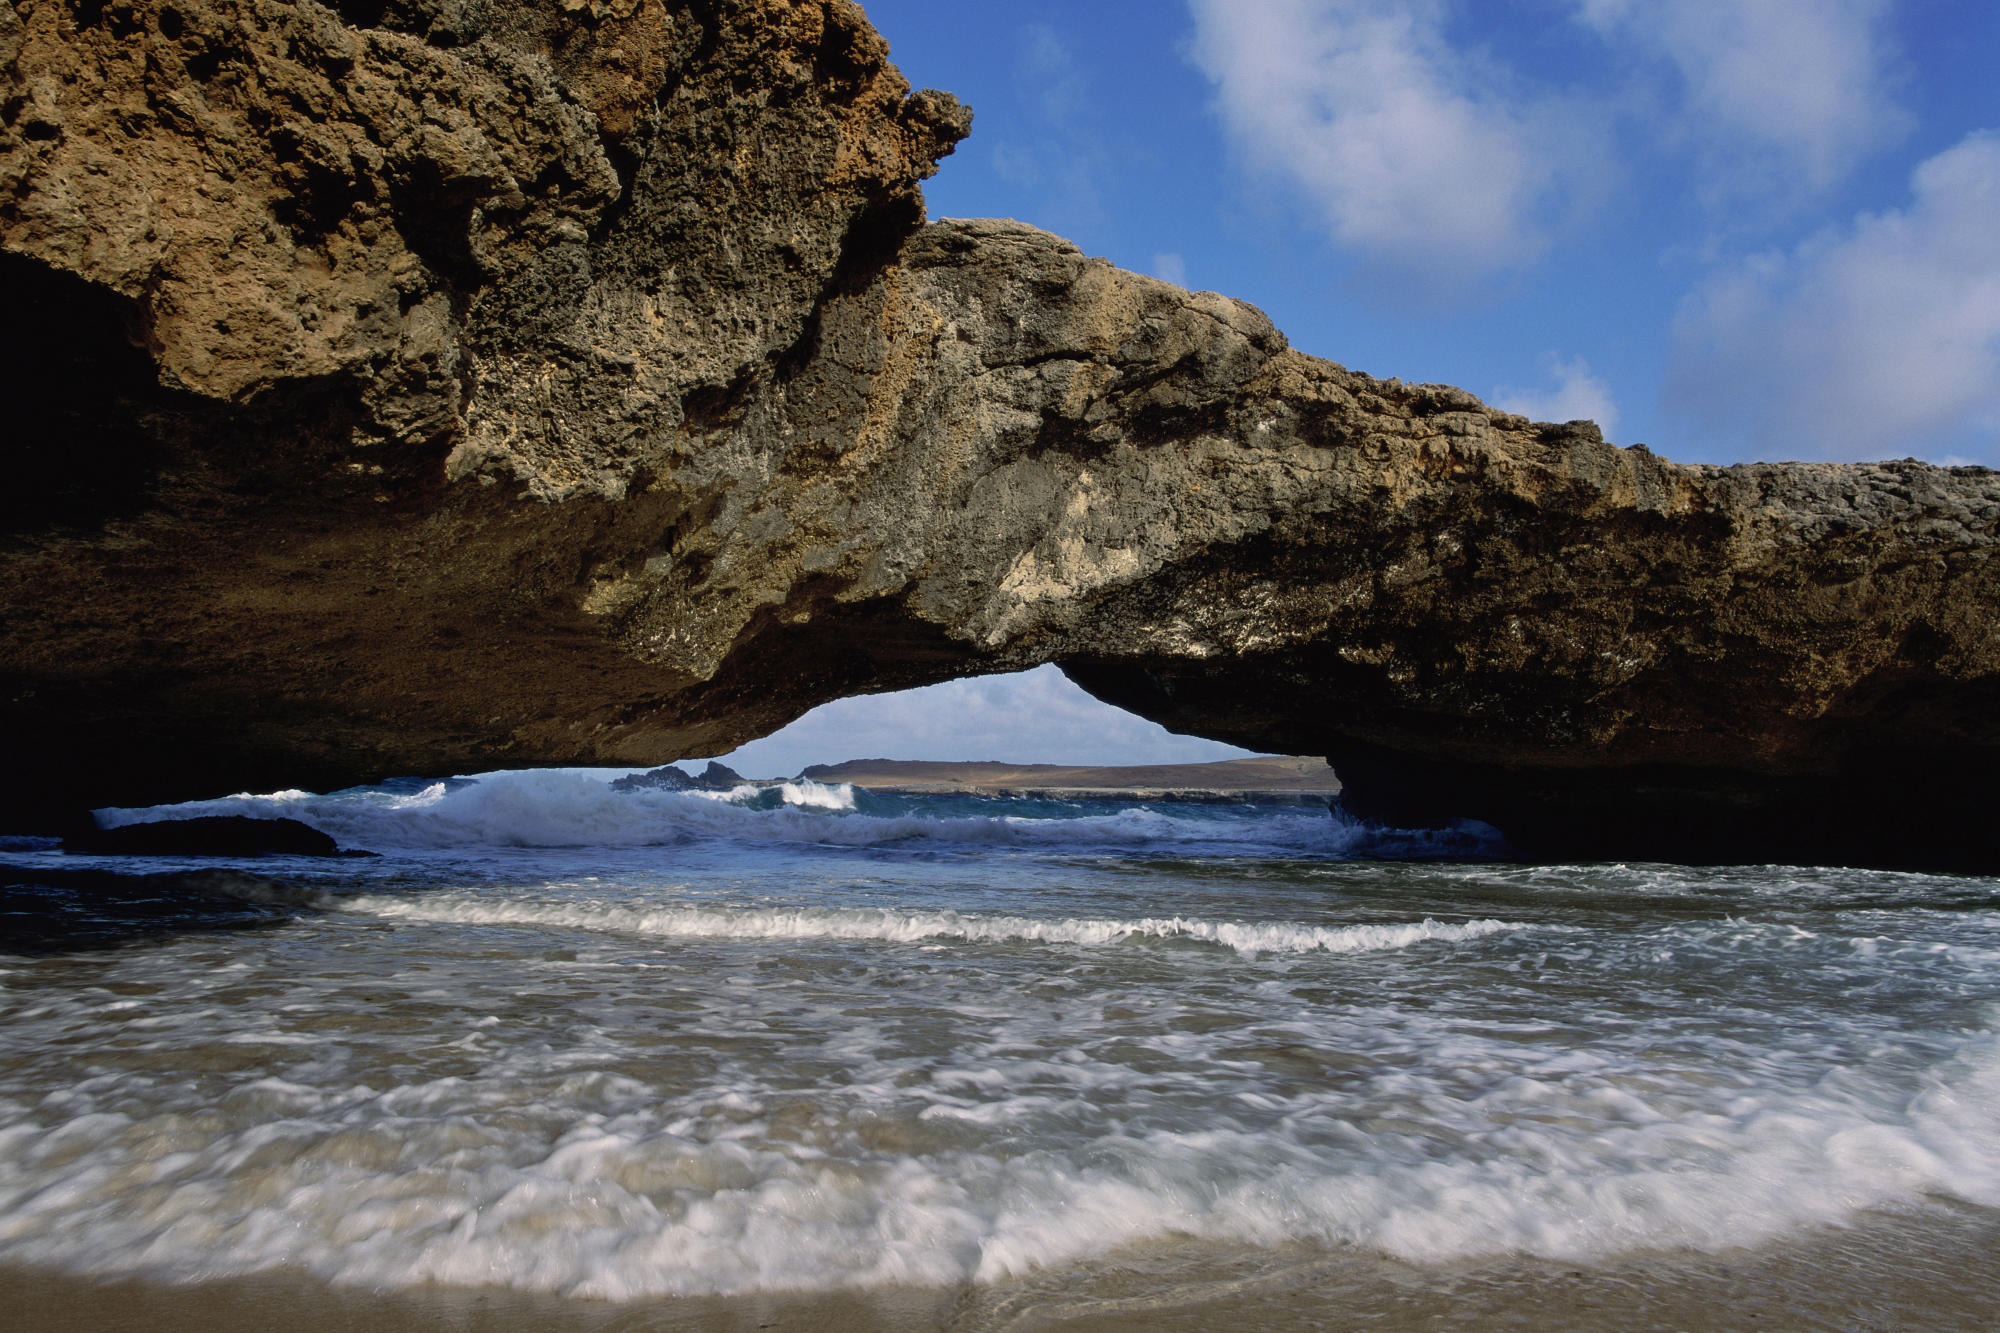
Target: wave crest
{"type": "Point", "coordinates": [571, 808]}
{"type": "Point", "coordinates": [888, 924]}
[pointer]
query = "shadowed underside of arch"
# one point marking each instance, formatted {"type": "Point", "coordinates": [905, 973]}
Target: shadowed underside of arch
{"type": "Point", "coordinates": [525, 385]}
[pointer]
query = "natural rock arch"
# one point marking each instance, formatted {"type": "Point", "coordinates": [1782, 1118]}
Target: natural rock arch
{"type": "Point", "coordinates": [513, 385]}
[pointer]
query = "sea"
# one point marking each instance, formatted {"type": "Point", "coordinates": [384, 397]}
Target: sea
{"type": "Point", "coordinates": [983, 1062]}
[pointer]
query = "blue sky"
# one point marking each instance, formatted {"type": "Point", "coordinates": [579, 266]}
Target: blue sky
{"type": "Point", "coordinates": [1766, 229]}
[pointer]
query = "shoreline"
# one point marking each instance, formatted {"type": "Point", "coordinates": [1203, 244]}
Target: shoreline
{"type": "Point", "coordinates": [1935, 1268]}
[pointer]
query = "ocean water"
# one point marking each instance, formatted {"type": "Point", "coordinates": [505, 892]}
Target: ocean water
{"type": "Point", "coordinates": [606, 1045]}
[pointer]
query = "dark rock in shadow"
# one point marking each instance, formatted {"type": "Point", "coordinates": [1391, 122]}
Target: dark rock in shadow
{"type": "Point", "coordinates": [716, 777]}
{"type": "Point", "coordinates": [47, 911]}
{"type": "Point", "coordinates": [209, 835]}
{"type": "Point", "coordinates": [669, 778]}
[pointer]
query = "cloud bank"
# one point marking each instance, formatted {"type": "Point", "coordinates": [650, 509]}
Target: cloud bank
{"type": "Point", "coordinates": [1417, 150]}
{"type": "Point", "coordinates": [1398, 141]}
{"type": "Point", "coordinates": [1877, 339]}
{"type": "Point", "coordinates": [1776, 95]}
{"type": "Point", "coordinates": [1578, 395]}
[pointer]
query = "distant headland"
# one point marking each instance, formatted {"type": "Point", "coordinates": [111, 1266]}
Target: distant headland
{"type": "Point", "coordinates": [1265, 779]}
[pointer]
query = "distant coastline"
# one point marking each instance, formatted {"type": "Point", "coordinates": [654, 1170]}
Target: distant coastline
{"type": "Point", "coordinates": [1286, 780]}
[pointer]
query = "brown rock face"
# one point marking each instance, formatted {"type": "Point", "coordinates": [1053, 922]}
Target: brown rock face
{"type": "Point", "coordinates": [420, 387]}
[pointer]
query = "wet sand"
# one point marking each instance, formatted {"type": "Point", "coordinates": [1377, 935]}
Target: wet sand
{"type": "Point", "coordinates": [1938, 1270]}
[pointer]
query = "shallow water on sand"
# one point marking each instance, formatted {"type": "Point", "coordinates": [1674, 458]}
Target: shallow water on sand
{"type": "Point", "coordinates": [1006, 1062]}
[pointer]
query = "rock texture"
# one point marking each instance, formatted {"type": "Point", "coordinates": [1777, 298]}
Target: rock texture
{"type": "Point", "coordinates": [427, 386]}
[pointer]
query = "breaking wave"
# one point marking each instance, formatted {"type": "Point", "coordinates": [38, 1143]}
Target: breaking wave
{"type": "Point", "coordinates": [568, 808]}
{"type": "Point", "coordinates": [863, 923]}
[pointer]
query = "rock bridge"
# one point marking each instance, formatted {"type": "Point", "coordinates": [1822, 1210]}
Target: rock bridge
{"type": "Point", "coordinates": [430, 385]}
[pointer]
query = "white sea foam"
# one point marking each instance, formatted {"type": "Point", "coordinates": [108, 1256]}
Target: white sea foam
{"type": "Point", "coordinates": [836, 796]}
{"type": "Point", "coordinates": [802, 792]}
{"type": "Point", "coordinates": [562, 808]}
{"type": "Point", "coordinates": [862, 923]}
{"type": "Point", "coordinates": [589, 1188]}
{"type": "Point", "coordinates": [592, 1074]}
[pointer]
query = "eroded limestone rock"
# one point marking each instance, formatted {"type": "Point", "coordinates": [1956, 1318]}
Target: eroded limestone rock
{"type": "Point", "coordinates": [422, 387]}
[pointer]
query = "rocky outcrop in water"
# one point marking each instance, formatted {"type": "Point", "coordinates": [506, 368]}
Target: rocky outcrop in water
{"type": "Point", "coordinates": [206, 835]}
{"type": "Point", "coordinates": [716, 777]}
{"type": "Point", "coordinates": [424, 387]}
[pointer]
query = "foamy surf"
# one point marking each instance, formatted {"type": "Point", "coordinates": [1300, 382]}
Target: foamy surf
{"type": "Point", "coordinates": [552, 808]}
{"type": "Point", "coordinates": [911, 927]}
{"type": "Point", "coordinates": [572, 1178]}
{"type": "Point", "coordinates": [566, 808]}
{"type": "Point", "coordinates": [803, 792]}
{"type": "Point", "coordinates": [624, 1045]}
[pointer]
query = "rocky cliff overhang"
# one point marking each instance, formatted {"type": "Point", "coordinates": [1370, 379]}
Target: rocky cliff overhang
{"type": "Point", "coordinates": [432, 385]}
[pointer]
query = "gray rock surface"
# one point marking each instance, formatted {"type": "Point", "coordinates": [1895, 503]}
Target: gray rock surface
{"type": "Point", "coordinates": [422, 387]}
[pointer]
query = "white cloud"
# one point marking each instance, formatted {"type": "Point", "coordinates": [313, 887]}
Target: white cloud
{"type": "Point", "coordinates": [1578, 395]}
{"type": "Point", "coordinates": [1401, 143]}
{"type": "Point", "coordinates": [1170, 267]}
{"type": "Point", "coordinates": [1036, 716]}
{"type": "Point", "coordinates": [1779, 93]}
{"type": "Point", "coordinates": [1874, 340]}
